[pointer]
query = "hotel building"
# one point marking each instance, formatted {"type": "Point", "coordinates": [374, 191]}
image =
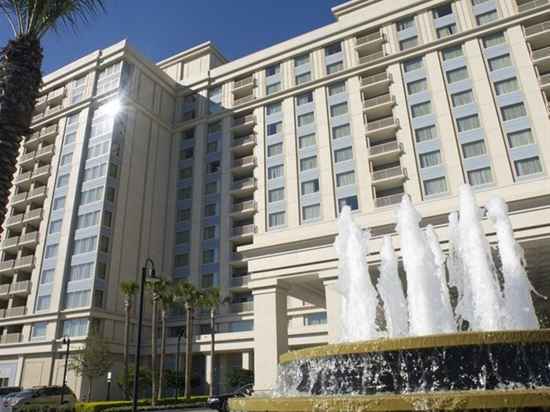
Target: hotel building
{"type": "Point", "coordinates": [232, 173]}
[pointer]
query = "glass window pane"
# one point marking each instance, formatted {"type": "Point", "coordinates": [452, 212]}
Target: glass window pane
{"type": "Point", "coordinates": [468, 123]}
{"type": "Point", "coordinates": [308, 163]}
{"type": "Point", "coordinates": [425, 134]}
{"type": "Point", "coordinates": [528, 166]}
{"type": "Point", "coordinates": [276, 219]}
{"type": "Point", "coordinates": [457, 75]}
{"type": "Point", "coordinates": [341, 131]}
{"type": "Point", "coordinates": [413, 64]}
{"type": "Point", "coordinates": [500, 62]}
{"type": "Point", "coordinates": [417, 86]}
{"type": "Point", "coordinates": [474, 149]}
{"type": "Point", "coordinates": [345, 179]}
{"type": "Point", "coordinates": [452, 53]}
{"type": "Point", "coordinates": [307, 140]}
{"type": "Point", "coordinates": [343, 155]}
{"type": "Point", "coordinates": [276, 195]}
{"type": "Point", "coordinates": [480, 176]}
{"type": "Point", "coordinates": [274, 149]}
{"type": "Point", "coordinates": [311, 212]}
{"type": "Point", "coordinates": [506, 86]}
{"type": "Point", "coordinates": [462, 98]}
{"type": "Point", "coordinates": [513, 112]}
{"type": "Point", "coordinates": [338, 109]}
{"type": "Point", "coordinates": [309, 187]}
{"type": "Point", "coordinates": [430, 159]}
{"type": "Point", "coordinates": [521, 138]}
{"type": "Point", "coordinates": [421, 109]}
{"type": "Point", "coordinates": [435, 186]}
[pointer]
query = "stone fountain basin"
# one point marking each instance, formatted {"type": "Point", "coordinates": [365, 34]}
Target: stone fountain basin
{"type": "Point", "coordinates": [471, 370]}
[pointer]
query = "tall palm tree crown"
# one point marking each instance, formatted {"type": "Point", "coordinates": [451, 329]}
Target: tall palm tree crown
{"type": "Point", "coordinates": [20, 70]}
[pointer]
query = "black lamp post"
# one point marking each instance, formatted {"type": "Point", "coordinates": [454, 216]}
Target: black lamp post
{"type": "Point", "coordinates": [67, 342]}
{"type": "Point", "coordinates": [148, 269]}
{"type": "Point", "coordinates": [180, 334]}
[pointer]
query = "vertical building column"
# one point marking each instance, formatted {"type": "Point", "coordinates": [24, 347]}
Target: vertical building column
{"type": "Point", "coordinates": [208, 367]}
{"type": "Point", "coordinates": [270, 334]}
{"type": "Point", "coordinates": [334, 309]}
{"type": "Point", "coordinates": [246, 361]}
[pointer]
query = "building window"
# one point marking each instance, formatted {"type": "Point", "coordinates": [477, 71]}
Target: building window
{"type": "Point", "coordinates": [187, 153]}
{"type": "Point", "coordinates": [457, 75]}
{"type": "Point", "coordinates": [494, 40]}
{"type": "Point", "coordinates": [406, 23]}
{"type": "Point", "coordinates": [308, 163]}
{"type": "Point", "coordinates": [211, 188]}
{"type": "Point", "coordinates": [333, 49]}
{"type": "Point", "coordinates": [335, 67]}
{"type": "Point", "coordinates": [39, 330]}
{"type": "Point", "coordinates": [181, 260]}
{"type": "Point", "coordinates": [66, 159]}
{"type": "Point", "coordinates": [301, 60]}
{"type": "Point", "coordinates": [474, 149]}
{"type": "Point", "coordinates": [304, 98]}
{"type": "Point", "coordinates": [184, 215]}
{"type": "Point", "coordinates": [506, 86]}
{"type": "Point", "coordinates": [421, 109]}
{"type": "Point", "coordinates": [446, 31]}
{"type": "Point", "coordinates": [47, 276]}
{"type": "Point", "coordinates": [55, 226]}
{"type": "Point", "coordinates": [185, 193]}
{"type": "Point", "coordinates": [109, 78]}
{"type": "Point", "coordinates": [430, 159]}
{"type": "Point", "coordinates": [92, 195]}
{"type": "Point", "coordinates": [350, 201]}
{"type": "Point", "coordinates": [101, 270]}
{"type": "Point", "coordinates": [276, 219]}
{"type": "Point", "coordinates": [417, 86]}
{"type": "Point", "coordinates": [98, 149]}
{"type": "Point", "coordinates": [214, 128]}
{"type": "Point", "coordinates": [345, 179]}
{"type": "Point", "coordinates": [443, 10]}
{"type": "Point", "coordinates": [468, 123]}
{"type": "Point", "coordinates": [104, 244]}
{"type": "Point", "coordinates": [273, 108]}
{"type": "Point", "coordinates": [77, 299]}
{"type": "Point", "coordinates": [452, 53]}
{"type": "Point", "coordinates": [408, 43]}
{"type": "Point", "coordinates": [462, 98]}
{"type": "Point", "coordinates": [272, 70]}
{"type": "Point", "coordinates": [110, 194]}
{"type": "Point", "coordinates": [273, 88]}
{"type": "Point", "coordinates": [275, 172]}
{"type": "Point", "coordinates": [209, 232]}
{"type": "Point", "coordinates": [212, 147]}
{"type": "Point", "coordinates": [480, 176]}
{"type": "Point", "coordinates": [529, 166]}
{"type": "Point", "coordinates": [276, 195]}
{"type": "Point", "coordinates": [75, 327]}
{"type": "Point", "coordinates": [62, 180]}
{"type": "Point", "coordinates": [303, 78]}
{"type": "Point", "coordinates": [305, 119]}
{"type": "Point", "coordinates": [87, 220]}
{"type": "Point", "coordinates": [186, 173]}
{"type": "Point", "coordinates": [413, 64]}
{"type": "Point", "coordinates": [59, 203]}
{"type": "Point", "coordinates": [426, 133]}
{"type": "Point", "coordinates": [51, 251]}
{"type": "Point", "coordinates": [274, 128]}
{"type": "Point", "coordinates": [85, 245]}
{"type": "Point", "coordinates": [315, 319]}
{"type": "Point", "coordinates": [513, 111]}
{"type": "Point", "coordinates": [81, 271]}
{"type": "Point", "coordinates": [207, 281]}
{"type": "Point", "coordinates": [521, 138]}
{"type": "Point", "coordinates": [183, 237]}
{"type": "Point", "coordinates": [341, 131]}
{"type": "Point", "coordinates": [435, 186]}
{"type": "Point", "coordinates": [306, 141]}
{"type": "Point", "coordinates": [95, 172]}
{"type": "Point", "coordinates": [343, 154]}
{"type": "Point", "coordinates": [274, 149]}
{"type": "Point", "coordinates": [501, 62]}
{"type": "Point", "coordinates": [311, 212]}
{"type": "Point", "coordinates": [310, 187]}
{"type": "Point", "coordinates": [338, 109]}
{"type": "Point", "coordinates": [43, 302]}
{"type": "Point", "coordinates": [336, 88]}
{"type": "Point", "coordinates": [486, 18]}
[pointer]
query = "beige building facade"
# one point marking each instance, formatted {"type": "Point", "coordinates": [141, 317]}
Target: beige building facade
{"type": "Point", "coordinates": [231, 174]}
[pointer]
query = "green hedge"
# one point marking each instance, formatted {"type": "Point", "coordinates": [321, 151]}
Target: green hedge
{"type": "Point", "coordinates": [144, 404]}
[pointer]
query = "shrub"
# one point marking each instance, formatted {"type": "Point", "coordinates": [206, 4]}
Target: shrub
{"type": "Point", "coordinates": [45, 408]}
{"type": "Point", "coordinates": [144, 405]}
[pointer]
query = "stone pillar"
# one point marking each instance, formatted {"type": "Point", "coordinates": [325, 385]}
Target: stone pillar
{"type": "Point", "coordinates": [334, 310]}
{"type": "Point", "coordinates": [270, 334]}
{"type": "Point", "coordinates": [246, 361]}
{"type": "Point", "coordinates": [209, 366]}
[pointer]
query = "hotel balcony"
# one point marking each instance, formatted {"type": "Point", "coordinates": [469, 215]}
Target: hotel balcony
{"type": "Point", "coordinates": [240, 282]}
{"type": "Point", "coordinates": [379, 106]}
{"type": "Point", "coordinates": [243, 100]}
{"type": "Point", "coordinates": [243, 144]}
{"type": "Point", "coordinates": [41, 102]}
{"type": "Point", "coordinates": [27, 158]}
{"type": "Point", "coordinates": [37, 117]}
{"type": "Point", "coordinates": [242, 307]}
{"type": "Point", "coordinates": [11, 244]}
{"type": "Point", "coordinates": [15, 221]}
{"type": "Point", "coordinates": [6, 267]}
{"type": "Point", "coordinates": [376, 83]}
{"type": "Point", "coordinates": [42, 174]}
{"type": "Point", "coordinates": [244, 162]}
{"type": "Point", "coordinates": [369, 41]}
{"type": "Point", "coordinates": [48, 131]}
{"type": "Point", "coordinates": [4, 290]}
{"type": "Point", "coordinates": [24, 264]}
{"type": "Point", "coordinates": [10, 337]}
{"type": "Point", "coordinates": [56, 95]}
{"type": "Point", "coordinates": [20, 199]}
{"type": "Point", "coordinates": [29, 239]}
{"type": "Point", "coordinates": [15, 311]}
{"type": "Point", "coordinates": [243, 231]}
{"type": "Point", "coordinates": [45, 153]}
{"type": "Point", "coordinates": [244, 185]}
{"type": "Point", "coordinates": [531, 4]}
{"type": "Point", "coordinates": [244, 208]}
{"type": "Point", "coordinates": [21, 288]}
{"type": "Point", "coordinates": [38, 194]}
{"type": "Point", "coordinates": [382, 128]}
{"type": "Point", "coordinates": [544, 81]}
{"type": "Point", "coordinates": [51, 110]}
{"type": "Point", "coordinates": [33, 216]}
{"type": "Point", "coordinates": [33, 140]}
{"type": "Point", "coordinates": [244, 85]}
{"type": "Point", "coordinates": [241, 122]}
{"type": "Point", "coordinates": [541, 58]}
{"type": "Point", "coordinates": [385, 152]}
{"type": "Point", "coordinates": [372, 57]}
{"type": "Point", "coordinates": [389, 200]}
{"type": "Point", "coordinates": [389, 177]}
{"type": "Point", "coordinates": [538, 34]}
{"type": "Point", "coordinates": [23, 180]}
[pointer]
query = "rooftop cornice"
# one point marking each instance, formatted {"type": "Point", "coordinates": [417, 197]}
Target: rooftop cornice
{"type": "Point", "coordinates": [191, 53]}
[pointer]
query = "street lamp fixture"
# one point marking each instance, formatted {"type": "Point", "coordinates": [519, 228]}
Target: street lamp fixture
{"type": "Point", "coordinates": [147, 272]}
{"type": "Point", "coordinates": [67, 343]}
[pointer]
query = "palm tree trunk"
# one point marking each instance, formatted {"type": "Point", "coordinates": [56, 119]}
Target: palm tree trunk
{"type": "Point", "coordinates": [154, 352]}
{"type": "Point", "coordinates": [126, 354]}
{"type": "Point", "coordinates": [162, 351]}
{"type": "Point", "coordinates": [20, 80]}
{"type": "Point", "coordinates": [212, 350]}
{"type": "Point", "coordinates": [188, 352]}
{"type": "Point", "coordinates": [90, 384]}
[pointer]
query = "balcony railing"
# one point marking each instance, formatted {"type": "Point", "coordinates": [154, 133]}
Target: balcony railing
{"type": "Point", "coordinates": [388, 200]}
{"type": "Point", "coordinates": [238, 281]}
{"type": "Point", "coordinates": [245, 99]}
{"type": "Point", "coordinates": [38, 192]}
{"type": "Point", "coordinates": [26, 157]}
{"type": "Point", "coordinates": [367, 38]}
{"type": "Point", "coordinates": [16, 311]}
{"type": "Point", "coordinates": [384, 148]}
{"type": "Point", "coordinates": [10, 338]}
{"type": "Point", "coordinates": [239, 121]}
{"type": "Point", "coordinates": [537, 28]}
{"type": "Point", "coordinates": [33, 138]}
{"type": "Point", "coordinates": [244, 230]}
{"type": "Point", "coordinates": [240, 184]}
{"type": "Point", "coordinates": [249, 204]}
{"type": "Point", "coordinates": [241, 141]}
{"type": "Point", "coordinates": [376, 101]}
{"type": "Point", "coordinates": [45, 151]}
{"type": "Point", "coordinates": [387, 173]}
{"type": "Point", "coordinates": [24, 262]}
{"type": "Point", "coordinates": [56, 94]}
{"type": "Point", "coordinates": [33, 214]}
{"type": "Point", "coordinates": [41, 171]}
{"type": "Point", "coordinates": [247, 81]}
{"type": "Point", "coordinates": [381, 124]}
{"type": "Point", "coordinates": [10, 242]}
{"type": "Point", "coordinates": [244, 161]}
{"type": "Point", "coordinates": [37, 117]}
{"type": "Point", "coordinates": [6, 265]}
{"type": "Point", "coordinates": [22, 177]}
{"type": "Point", "coordinates": [46, 131]}
{"type": "Point", "coordinates": [31, 237]}
{"type": "Point", "coordinates": [19, 197]}
{"type": "Point", "coordinates": [4, 289]}
{"type": "Point", "coordinates": [541, 53]}
{"type": "Point", "coordinates": [41, 100]}
{"type": "Point", "coordinates": [14, 220]}
{"type": "Point", "coordinates": [242, 307]}
{"type": "Point", "coordinates": [23, 286]}
{"type": "Point", "coordinates": [370, 57]}
{"type": "Point", "coordinates": [376, 78]}
{"type": "Point", "coordinates": [53, 109]}
{"type": "Point", "coordinates": [531, 5]}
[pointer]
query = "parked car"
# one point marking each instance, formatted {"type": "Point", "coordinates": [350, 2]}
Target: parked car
{"type": "Point", "coordinates": [221, 402]}
{"type": "Point", "coordinates": [44, 395]}
{"type": "Point", "coordinates": [8, 390]}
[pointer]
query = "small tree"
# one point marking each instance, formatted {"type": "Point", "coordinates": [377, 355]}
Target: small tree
{"type": "Point", "coordinates": [166, 298]}
{"type": "Point", "coordinates": [93, 361]}
{"type": "Point", "coordinates": [128, 290]}
{"type": "Point", "coordinates": [237, 378]}
{"type": "Point", "coordinates": [157, 287]}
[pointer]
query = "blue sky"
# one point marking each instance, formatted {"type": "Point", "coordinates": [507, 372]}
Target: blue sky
{"type": "Point", "coordinates": [161, 28]}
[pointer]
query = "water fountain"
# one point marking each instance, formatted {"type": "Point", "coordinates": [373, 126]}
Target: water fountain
{"type": "Point", "coordinates": [484, 352]}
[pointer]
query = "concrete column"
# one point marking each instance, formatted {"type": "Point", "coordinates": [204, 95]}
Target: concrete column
{"type": "Point", "coordinates": [208, 360]}
{"type": "Point", "coordinates": [334, 308]}
{"type": "Point", "coordinates": [246, 364]}
{"type": "Point", "coordinates": [270, 334]}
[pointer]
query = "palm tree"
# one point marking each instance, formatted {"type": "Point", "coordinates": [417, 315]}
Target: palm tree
{"type": "Point", "coordinates": [166, 302]}
{"type": "Point", "coordinates": [20, 70]}
{"type": "Point", "coordinates": [190, 297]}
{"type": "Point", "coordinates": [211, 300]}
{"type": "Point", "coordinates": [157, 287]}
{"type": "Point", "coordinates": [128, 290]}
